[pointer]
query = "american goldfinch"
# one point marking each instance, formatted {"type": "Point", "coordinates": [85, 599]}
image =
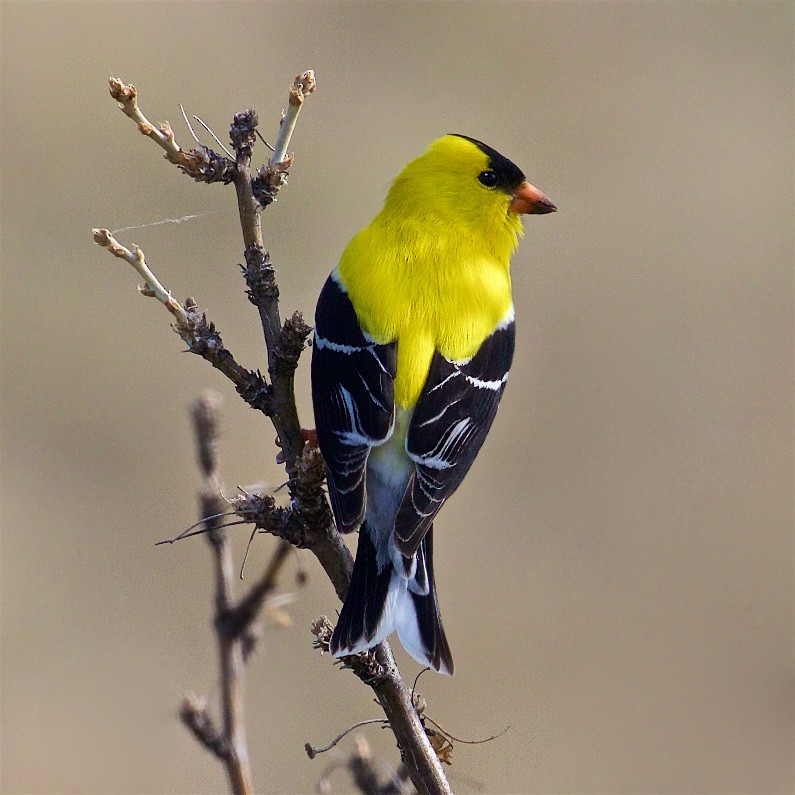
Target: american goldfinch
{"type": "Point", "coordinates": [413, 340]}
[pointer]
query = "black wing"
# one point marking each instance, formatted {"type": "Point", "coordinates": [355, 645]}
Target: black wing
{"type": "Point", "coordinates": [448, 427]}
{"type": "Point", "coordinates": [353, 396]}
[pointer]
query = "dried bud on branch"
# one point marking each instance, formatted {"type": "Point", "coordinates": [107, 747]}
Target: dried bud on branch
{"type": "Point", "coordinates": [206, 165]}
{"type": "Point", "coordinates": [242, 134]}
{"type": "Point", "coordinates": [292, 341]}
{"type": "Point", "coordinates": [194, 714]}
{"type": "Point", "coordinates": [260, 276]}
{"type": "Point", "coordinates": [270, 178]}
{"type": "Point", "coordinates": [303, 86]}
{"type": "Point", "coordinates": [322, 629]}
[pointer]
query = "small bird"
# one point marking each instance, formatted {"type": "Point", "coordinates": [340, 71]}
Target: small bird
{"type": "Point", "coordinates": [414, 337]}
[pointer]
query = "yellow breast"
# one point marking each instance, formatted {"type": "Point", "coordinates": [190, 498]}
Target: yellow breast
{"type": "Point", "coordinates": [426, 292]}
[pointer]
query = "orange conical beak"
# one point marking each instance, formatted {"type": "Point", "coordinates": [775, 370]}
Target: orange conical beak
{"type": "Point", "coordinates": [529, 199]}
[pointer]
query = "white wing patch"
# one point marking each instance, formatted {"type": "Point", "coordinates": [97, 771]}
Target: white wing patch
{"type": "Point", "coordinates": [321, 343]}
{"type": "Point", "coordinates": [494, 386]}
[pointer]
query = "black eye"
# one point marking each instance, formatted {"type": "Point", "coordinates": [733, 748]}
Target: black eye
{"type": "Point", "coordinates": [487, 178]}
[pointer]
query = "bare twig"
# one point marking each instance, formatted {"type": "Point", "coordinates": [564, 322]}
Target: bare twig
{"type": "Point", "coordinates": [308, 523]}
{"type": "Point", "coordinates": [378, 669]}
{"type": "Point", "coordinates": [273, 175]}
{"type": "Point", "coordinates": [283, 346]}
{"type": "Point", "coordinates": [127, 97]}
{"type": "Point", "coordinates": [152, 287]}
{"type": "Point", "coordinates": [190, 127]}
{"type": "Point", "coordinates": [238, 618]}
{"type": "Point", "coordinates": [202, 164]}
{"type": "Point", "coordinates": [303, 86]}
{"type": "Point", "coordinates": [312, 752]}
{"type": "Point", "coordinates": [235, 626]}
{"type": "Point", "coordinates": [416, 750]}
{"type": "Point", "coordinates": [466, 742]}
{"type": "Point", "coordinates": [230, 649]}
{"type": "Point", "coordinates": [214, 136]}
{"type": "Point", "coordinates": [198, 333]}
{"type": "Point", "coordinates": [194, 714]}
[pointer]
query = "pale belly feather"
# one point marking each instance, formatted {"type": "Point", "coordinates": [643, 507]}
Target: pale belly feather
{"type": "Point", "coordinates": [388, 472]}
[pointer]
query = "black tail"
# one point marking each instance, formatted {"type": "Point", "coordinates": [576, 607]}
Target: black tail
{"type": "Point", "coordinates": [380, 602]}
{"type": "Point", "coordinates": [364, 604]}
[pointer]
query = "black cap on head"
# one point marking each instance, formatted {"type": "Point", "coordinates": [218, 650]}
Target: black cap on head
{"type": "Point", "coordinates": [509, 175]}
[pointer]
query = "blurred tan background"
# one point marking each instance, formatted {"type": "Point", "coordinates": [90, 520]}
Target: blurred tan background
{"type": "Point", "coordinates": [616, 573]}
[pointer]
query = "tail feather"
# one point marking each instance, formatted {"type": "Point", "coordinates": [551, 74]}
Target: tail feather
{"type": "Point", "coordinates": [380, 602]}
{"type": "Point", "coordinates": [357, 626]}
{"type": "Point", "coordinates": [427, 617]}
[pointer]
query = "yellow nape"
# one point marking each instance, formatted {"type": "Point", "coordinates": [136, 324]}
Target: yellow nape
{"type": "Point", "coordinates": [432, 269]}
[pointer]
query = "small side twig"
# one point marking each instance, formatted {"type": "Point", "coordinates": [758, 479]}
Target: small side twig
{"type": "Point", "coordinates": [127, 97]}
{"type": "Point", "coordinates": [312, 752]}
{"type": "Point", "coordinates": [238, 618]}
{"type": "Point", "coordinates": [214, 136]}
{"type": "Point", "coordinates": [307, 524]}
{"type": "Point", "coordinates": [203, 164]}
{"type": "Point", "coordinates": [273, 175]}
{"type": "Point", "coordinates": [194, 714]}
{"type": "Point", "coordinates": [302, 87]}
{"type": "Point", "coordinates": [152, 287]}
{"type": "Point", "coordinates": [193, 327]}
{"type": "Point", "coordinates": [231, 745]}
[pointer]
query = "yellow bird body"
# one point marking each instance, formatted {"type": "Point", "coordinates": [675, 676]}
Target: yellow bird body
{"type": "Point", "coordinates": [414, 337]}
